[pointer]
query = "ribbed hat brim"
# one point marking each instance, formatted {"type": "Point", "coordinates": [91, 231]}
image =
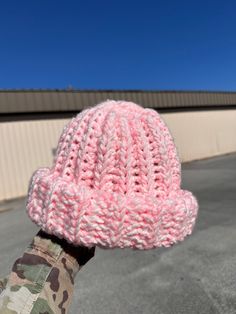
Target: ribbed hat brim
{"type": "Point", "coordinates": [88, 217]}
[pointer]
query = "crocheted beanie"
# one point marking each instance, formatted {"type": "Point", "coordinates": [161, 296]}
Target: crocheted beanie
{"type": "Point", "coordinates": [115, 182]}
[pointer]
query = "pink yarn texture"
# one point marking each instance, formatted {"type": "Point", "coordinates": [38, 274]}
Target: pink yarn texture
{"type": "Point", "coordinates": [115, 182]}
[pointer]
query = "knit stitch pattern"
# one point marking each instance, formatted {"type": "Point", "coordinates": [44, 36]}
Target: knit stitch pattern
{"type": "Point", "coordinates": [115, 182]}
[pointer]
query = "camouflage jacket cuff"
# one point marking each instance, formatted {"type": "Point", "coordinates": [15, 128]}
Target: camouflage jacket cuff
{"type": "Point", "coordinates": [41, 281]}
{"type": "Point", "coordinates": [80, 254]}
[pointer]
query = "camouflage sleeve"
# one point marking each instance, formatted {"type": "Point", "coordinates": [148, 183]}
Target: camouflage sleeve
{"type": "Point", "coordinates": [3, 283]}
{"type": "Point", "coordinates": [42, 280]}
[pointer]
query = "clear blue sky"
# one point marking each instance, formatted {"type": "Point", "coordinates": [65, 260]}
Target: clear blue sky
{"type": "Point", "coordinates": [150, 45]}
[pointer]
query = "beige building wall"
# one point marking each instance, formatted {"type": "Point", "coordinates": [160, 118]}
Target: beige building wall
{"type": "Point", "coordinates": [203, 134]}
{"type": "Point", "coordinates": [25, 146]}
{"type": "Point", "coordinates": [28, 145]}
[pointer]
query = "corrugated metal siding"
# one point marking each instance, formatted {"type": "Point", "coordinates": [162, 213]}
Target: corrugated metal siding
{"type": "Point", "coordinates": [25, 146]}
{"type": "Point", "coordinates": [45, 101]}
{"type": "Point", "coordinates": [28, 145]}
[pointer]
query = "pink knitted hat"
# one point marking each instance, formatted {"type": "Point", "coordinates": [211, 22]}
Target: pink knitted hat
{"type": "Point", "coordinates": [115, 182]}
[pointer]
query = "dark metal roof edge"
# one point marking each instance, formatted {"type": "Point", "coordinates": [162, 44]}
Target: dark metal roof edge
{"type": "Point", "coordinates": [114, 90]}
{"type": "Point", "coordinates": [35, 115]}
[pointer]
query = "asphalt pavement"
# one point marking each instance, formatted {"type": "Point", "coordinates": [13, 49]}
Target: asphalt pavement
{"type": "Point", "coordinates": [197, 275]}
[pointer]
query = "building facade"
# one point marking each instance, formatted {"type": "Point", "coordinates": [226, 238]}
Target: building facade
{"type": "Point", "coordinates": [203, 124]}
